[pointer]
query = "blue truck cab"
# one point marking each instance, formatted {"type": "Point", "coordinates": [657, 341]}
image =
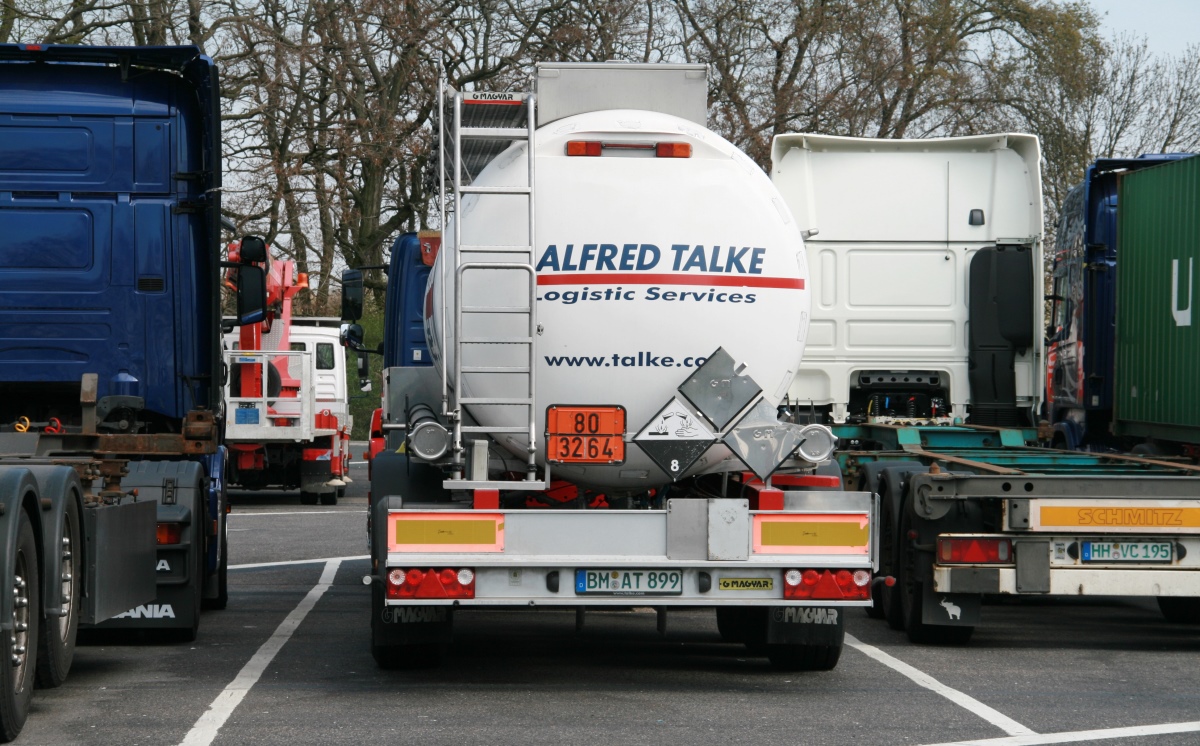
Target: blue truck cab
{"type": "Point", "coordinates": [1082, 332]}
{"type": "Point", "coordinates": [110, 289]}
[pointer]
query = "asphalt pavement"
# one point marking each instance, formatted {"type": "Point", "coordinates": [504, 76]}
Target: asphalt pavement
{"type": "Point", "coordinates": [288, 663]}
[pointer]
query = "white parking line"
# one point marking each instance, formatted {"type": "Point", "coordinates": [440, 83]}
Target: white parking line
{"type": "Point", "coordinates": [299, 562]}
{"type": "Point", "coordinates": [204, 732]}
{"type": "Point", "coordinates": [995, 717]}
{"type": "Point", "coordinates": [1082, 735]}
{"type": "Point", "coordinates": [301, 512]}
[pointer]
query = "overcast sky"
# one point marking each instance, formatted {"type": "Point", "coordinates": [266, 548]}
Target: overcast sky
{"type": "Point", "coordinates": [1169, 25]}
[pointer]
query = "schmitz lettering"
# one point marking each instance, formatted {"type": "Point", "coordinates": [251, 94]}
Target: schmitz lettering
{"type": "Point", "coordinates": [149, 611]}
{"type": "Point", "coordinates": [1130, 517]}
{"type": "Point", "coordinates": [413, 614]}
{"type": "Point", "coordinates": [799, 615]}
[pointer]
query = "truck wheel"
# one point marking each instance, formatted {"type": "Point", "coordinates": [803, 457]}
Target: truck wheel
{"type": "Point", "coordinates": [1180, 610]}
{"type": "Point", "coordinates": [733, 623]}
{"type": "Point", "coordinates": [222, 599]}
{"type": "Point", "coordinates": [57, 634]}
{"type": "Point", "coordinates": [804, 657]}
{"type": "Point", "coordinates": [18, 648]}
{"type": "Point", "coordinates": [308, 498]}
{"type": "Point", "coordinates": [910, 590]}
{"type": "Point", "coordinates": [889, 538]}
{"type": "Point", "coordinates": [329, 499]}
{"type": "Point", "coordinates": [392, 657]}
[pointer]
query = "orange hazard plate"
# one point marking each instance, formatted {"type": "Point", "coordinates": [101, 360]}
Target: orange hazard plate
{"type": "Point", "coordinates": [585, 435]}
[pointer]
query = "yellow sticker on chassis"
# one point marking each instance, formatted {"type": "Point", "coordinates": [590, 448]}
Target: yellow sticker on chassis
{"type": "Point", "coordinates": [629, 582]}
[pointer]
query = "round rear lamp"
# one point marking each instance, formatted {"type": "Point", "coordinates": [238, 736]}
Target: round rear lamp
{"type": "Point", "coordinates": [793, 577]}
{"type": "Point", "coordinates": [862, 577]}
{"type": "Point", "coordinates": [466, 576]}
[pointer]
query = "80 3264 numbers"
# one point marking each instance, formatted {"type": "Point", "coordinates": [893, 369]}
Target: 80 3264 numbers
{"type": "Point", "coordinates": [585, 434]}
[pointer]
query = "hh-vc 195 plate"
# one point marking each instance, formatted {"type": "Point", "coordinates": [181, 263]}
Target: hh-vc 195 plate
{"type": "Point", "coordinates": [1127, 551]}
{"type": "Point", "coordinates": [629, 582]}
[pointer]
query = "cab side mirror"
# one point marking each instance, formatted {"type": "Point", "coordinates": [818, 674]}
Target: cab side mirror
{"type": "Point", "coordinates": [352, 296]}
{"type": "Point", "coordinates": [352, 336]}
{"type": "Point", "coordinates": [251, 293]}
{"type": "Point", "coordinates": [254, 249]}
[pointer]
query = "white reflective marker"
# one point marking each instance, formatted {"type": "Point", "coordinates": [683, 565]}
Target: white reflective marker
{"type": "Point", "coordinates": [205, 731]}
{"type": "Point", "coordinates": [967, 702]}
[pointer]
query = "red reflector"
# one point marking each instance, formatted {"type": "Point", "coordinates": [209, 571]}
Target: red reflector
{"type": "Point", "coordinates": [168, 533]}
{"type": "Point", "coordinates": [432, 583]}
{"type": "Point", "coordinates": [974, 551]}
{"type": "Point", "coordinates": [833, 585]}
{"type": "Point", "coordinates": [584, 147]}
{"type": "Point", "coordinates": [673, 150]}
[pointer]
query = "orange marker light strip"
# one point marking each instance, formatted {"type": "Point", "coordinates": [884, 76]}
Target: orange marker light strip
{"type": "Point", "coordinates": [814, 533]}
{"type": "Point", "coordinates": [673, 150]}
{"type": "Point", "coordinates": [584, 147]}
{"type": "Point", "coordinates": [446, 532]}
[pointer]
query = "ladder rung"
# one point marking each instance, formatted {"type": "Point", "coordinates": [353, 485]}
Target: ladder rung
{"type": "Point", "coordinates": [494, 369]}
{"type": "Point", "coordinates": [494, 190]}
{"type": "Point", "coordinates": [497, 249]}
{"type": "Point", "coordinates": [494, 133]}
{"type": "Point", "coordinates": [489, 429]}
{"type": "Point", "coordinates": [497, 341]}
{"type": "Point", "coordinates": [495, 309]}
{"type": "Point", "coordinates": [495, 400]}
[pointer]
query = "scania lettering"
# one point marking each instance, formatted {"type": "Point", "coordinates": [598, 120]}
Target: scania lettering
{"type": "Point", "coordinates": [592, 286]}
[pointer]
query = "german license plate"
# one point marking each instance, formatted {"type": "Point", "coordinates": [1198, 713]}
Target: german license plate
{"type": "Point", "coordinates": [1127, 551]}
{"type": "Point", "coordinates": [629, 582]}
{"type": "Point", "coordinates": [585, 435]}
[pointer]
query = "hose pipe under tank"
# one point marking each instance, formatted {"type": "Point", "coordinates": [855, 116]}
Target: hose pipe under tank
{"type": "Point", "coordinates": [428, 439]}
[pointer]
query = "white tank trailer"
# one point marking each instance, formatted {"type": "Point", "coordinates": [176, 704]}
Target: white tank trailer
{"type": "Point", "coordinates": [645, 266]}
{"type": "Point", "coordinates": [614, 323]}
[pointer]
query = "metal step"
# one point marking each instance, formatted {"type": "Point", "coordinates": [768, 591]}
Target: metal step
{"type": "Point", "coordinates": [493, 133]}
{"type": "Point", "coordinates": [494, 249]}
{"type": "Point", "coordinates": [495, 190]}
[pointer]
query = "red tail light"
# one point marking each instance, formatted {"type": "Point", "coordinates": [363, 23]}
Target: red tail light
{"type": "Point", "coordinates": [431, 583]}
{"type": "Point", "coordinates": [833, 585]}
{"type": "Point", "coordinates": [169, 533]}
{"type": "Point", "coordinates": [974, 551]}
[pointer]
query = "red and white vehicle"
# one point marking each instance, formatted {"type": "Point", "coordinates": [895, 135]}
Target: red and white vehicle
{"type": "Point", "coordinates": [289, 422]}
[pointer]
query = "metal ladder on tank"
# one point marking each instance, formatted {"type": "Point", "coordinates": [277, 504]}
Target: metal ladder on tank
{"type": "Point", "coordinates": [490, 129]}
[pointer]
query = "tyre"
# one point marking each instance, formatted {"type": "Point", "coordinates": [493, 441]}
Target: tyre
{"type": "Point", "coordinates": [804, 657]}
{"type": "Point", "coordinates": [18, 649]}
{"type": "Point", "coordinates": [733, 623]}
{"type": "Point", "coordinates": [308, 498]}
{"type": "Point", "coordinates": [57, 635]}
{"type": "Point", "coordinates": [393, 657]}
{"type": "Point", "coordinates": [1179, 610]}
{"type": "Point", "coordinates": [329, 498]}
{"type": "Point", "coordinates": [222, 580]}
{"type": "Point", "coordinates": [890, 539]}
{"type": "Point", "coordinates": [341, 492]}
{"type": "Point", "coordinates": [910, 590]}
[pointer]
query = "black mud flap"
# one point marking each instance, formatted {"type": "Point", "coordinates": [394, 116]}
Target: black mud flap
{"type": "Point", "coordinates": [397, 626]}
{"type": "Point", "coordinates": [806, 625]}
{"type": "Point", "coordinates": [949, 609]}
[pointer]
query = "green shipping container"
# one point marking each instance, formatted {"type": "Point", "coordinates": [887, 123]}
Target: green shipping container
{"type": "Point", "coordinates": [1157, 371]}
